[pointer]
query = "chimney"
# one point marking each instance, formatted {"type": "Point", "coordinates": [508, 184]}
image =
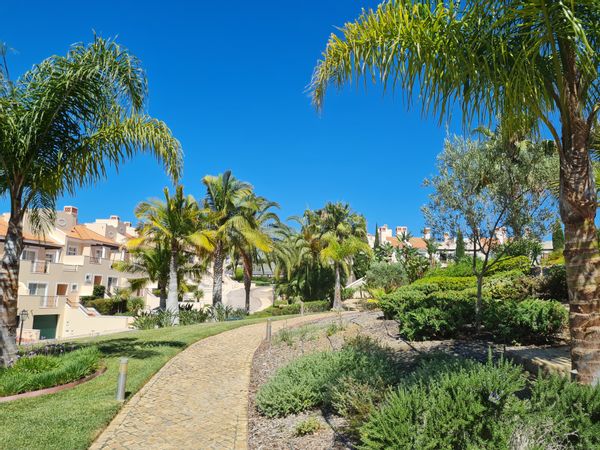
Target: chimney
{"type": "Point", "coordinates": [127, 224]}
{"type": "Point", "coordinates": [113, 217]}
{"type": "Point", "coordinates": [426, 233]}
{"type": "Point", "coordinates": [71, 210]}
{"type": "Point", "coordinates": [446, 237]}
{"type": "Point", "coordinates": [401, 230]}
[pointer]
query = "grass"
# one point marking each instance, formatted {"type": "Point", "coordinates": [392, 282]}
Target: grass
{"type": "Point", "coordinates": [73, 418]}
{"type": "Point", "coordinates": [43, 371]}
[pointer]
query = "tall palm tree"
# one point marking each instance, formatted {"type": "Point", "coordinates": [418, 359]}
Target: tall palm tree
{"type": "Point", "coordinates": [177, 223]}
{"type": "Point", "coordinates": [344, 233]}
{"type": "Point", "coordinates": [267, 226]}
{"type": "Point", "coordinates": [230, 202]}
{"type": "Point", "coordinates": [62, 125]}
{"type": "Point", "coordinates": [152, 262]}
{"type": "Point", "coordinates": [532, 62]}
{"type": "Point", "coordinates": [340, 252]}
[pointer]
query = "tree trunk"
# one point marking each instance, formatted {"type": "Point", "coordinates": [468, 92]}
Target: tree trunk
{"type": "Point", "coordinates": [173, 295]}
{"type": "Point", "coordinates": [337, 293]}
{"type": "Point", "coordinates": [479, 303]}
{"type": "Point", "coordinates": [578, 203]}
{"type": "Point", "coordinates": [9, 285]}
{"type": "Point", "coordinates": [217, 296]}
{"type": "Point", "coordinates": [247, 263]}
{"type": "Point", "coordinates": [162, 295]}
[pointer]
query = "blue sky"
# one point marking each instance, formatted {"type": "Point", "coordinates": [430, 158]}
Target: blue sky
{"type": "Point", "coordinates": [229, 80]}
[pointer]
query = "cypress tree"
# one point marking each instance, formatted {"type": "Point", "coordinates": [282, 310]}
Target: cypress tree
{"type": "Point", "coordinates": [376, 244]}
{"type": "Point", "coordinates": [460, 246]}
{"type": "Point", "coordinates": [558, 237]}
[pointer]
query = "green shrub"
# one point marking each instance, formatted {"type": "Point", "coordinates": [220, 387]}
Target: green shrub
{"type": "Point", "coordinates": [41, 371]}
{"type": "Point", "coordinates": [571, 408]}
{"type": "Point", "coordinates": [238, 275]}
{"type": "Point", "coordinates": [98, 291]}
{"type": "Point", "coordinates": [531, 320]}
{"type": "Point", "coordinates": [512, 285]}
{"type": "Point", "coordinates": [462, 268]}
{"type": "Point", "coordinates": [135, 304]}
{"type": "Point", "coordinates": [554, 284]}
{"type": "Point", "coordinates": [401, 299]}
{"type": "Point", "coordinates": [107, 306]}
{"type": "Point", "coordinates": [309, 381]}
{"type": "Point", "coordinates": [189, 316]}
{"type": "Point", "coordinates": [294, 308]}
{"type": "Point", "coordinates": [448, 405]}
{"type": "Point", "coordinates": [145, 321]}
{"type": "Point", "coordinates": [444, 283]}
{"type": "Point", "coordinates": [348, 293]}
{"type": "Point", "coordinates": [385, 276]}
{"type": "Point", "coordinates": [520, 263]}
{"type": "Point", "coordinates": [308, 426]}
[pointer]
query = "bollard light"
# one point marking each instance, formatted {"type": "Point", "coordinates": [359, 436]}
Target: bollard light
{"type": "Point", "coordinates": [269, 329]}
{"type": "Point", "coordinates": [122, 381]}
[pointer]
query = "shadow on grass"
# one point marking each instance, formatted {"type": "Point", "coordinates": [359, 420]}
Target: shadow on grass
{"type": "Point", "coordinates": [134, 348]}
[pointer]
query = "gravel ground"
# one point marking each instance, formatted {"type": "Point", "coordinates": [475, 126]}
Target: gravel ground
{"type": "Point", "coordinates": [278, 433]}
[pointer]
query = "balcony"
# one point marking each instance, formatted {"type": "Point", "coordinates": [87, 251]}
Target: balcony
{"type": "Point", "coordinates": [33, 302]}
{"type": "Point", "coordinates": [39, 267]}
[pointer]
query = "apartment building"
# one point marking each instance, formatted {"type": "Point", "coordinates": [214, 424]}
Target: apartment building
{"type": "Point", "coordinates": [64, 264]}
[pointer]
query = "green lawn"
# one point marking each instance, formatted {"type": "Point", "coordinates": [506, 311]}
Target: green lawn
{"type": "Point", "coordinates": [72, 419]}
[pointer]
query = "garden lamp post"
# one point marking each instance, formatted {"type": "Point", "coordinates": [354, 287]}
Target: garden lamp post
{"type": "Point", "coordinates": [23, 315]}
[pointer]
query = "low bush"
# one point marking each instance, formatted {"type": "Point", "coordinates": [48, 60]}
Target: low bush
{"type": "Point", "coordinates": [294, 308]}
{"type": "Point", "coordinates": [308, 426]}
{"type": "Point", "coordinates": [348, 293]}
{"type": "Point", "coordinates": [107, 306]}
{"type": "Point", "coordinates": [512, 285]}
{"type": "Point", "coordinates": [520, 263]}
{"type": "Point", "coordinates": [41, 371]}
{"type": "Point", "coordinates": [135, 305]}
{"type": "Point", "coordinates": [98, 291]}
{"type": "Point", "coordinates": [462, 268]}
{"type": "Point", "coordinates": [444, 283]}
{"type": "Point", "coordinates": [451, 403]}
{"type": "Point", "coordinates": [190, 316]}
{"type": "Point", "coordinates": [309, 381]}
{"type": "Point", "coordinates": [145, 321]}
{"type": "Point", "coordinates": [531, 320]}
{"type": "Point", "coordinates": [385, 276]}
{"type": "Point", "coordinates": [405, 297]}
{"type": "Point", "coordinates": [447, 404]}
{"type": "Point", "coordinates": [554, 284]}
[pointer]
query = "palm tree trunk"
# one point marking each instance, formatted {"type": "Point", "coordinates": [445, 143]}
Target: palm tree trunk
{"type": "Point", "coordinates": [578, 202]}
{"type": "Point", "coordinates": [247, 263]}
{"type": "Point", "coordinates": [173, 295]}
{"type": "Point", "coordinates": [337, 292]}
{"type": "Point", "coordinates": [217, 296]}
{"type": "Point", "coordinates": [162, 292]}
{"type": "Point", "coordinates": [9, 285]}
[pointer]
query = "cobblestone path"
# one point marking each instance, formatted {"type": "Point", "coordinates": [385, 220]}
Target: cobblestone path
{"type": "Point", "coordinates": [198, 400]}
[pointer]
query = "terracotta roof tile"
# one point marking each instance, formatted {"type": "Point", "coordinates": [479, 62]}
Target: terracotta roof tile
{"type": "Point", "coordinates": [83, 233]}
{"type": "Point", "coordinates": [28, 237]}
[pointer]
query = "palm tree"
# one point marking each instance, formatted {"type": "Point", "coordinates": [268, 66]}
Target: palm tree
{"type": "Point", "coordinates": [230, 203]}
{"type": "Point", "coordinates": [62, 125]}
{"type": "Point", "coordinates": [345, 234]}
{"type": "Point", "coordinates": [266, 226]}
{"type": "Point", "coordinates": [178, 224]}
{"type": "Point", "coordinates": [339, 253]}
{"type": "Point", "coordinates": [530, 62]}
{"type": "Point", "coordinates": [153, 263]}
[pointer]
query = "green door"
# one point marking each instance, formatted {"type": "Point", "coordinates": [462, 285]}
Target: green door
{"type": "Point", "coordinates": [46, 324]}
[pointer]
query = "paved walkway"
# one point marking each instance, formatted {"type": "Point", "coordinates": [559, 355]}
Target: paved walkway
{"type": "Point", "coordinates": [547, 359]}
{"type": "Point", "coordinates": [198, 400]}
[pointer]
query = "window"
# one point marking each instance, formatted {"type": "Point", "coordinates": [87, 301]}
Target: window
{"type": "Point", "coordinates": [28, 255]}
{"type": "Point", "coordinates": [98, 253]}
{"type": "Point", "coordinates": [71, 251]}
{"type": "Point", "coordinates": [88, 278]}
{"type": "Point", "coordinates": [50, 258]}
{"type": "Point", "coordinates": [38, 289]}
{"type": "Point", "coordinates": [74, 287]}
{"type": "Point", "coordinates": [112, 282]}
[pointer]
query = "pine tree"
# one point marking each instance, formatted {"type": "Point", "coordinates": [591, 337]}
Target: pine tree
{"type": "Point", "coordinates": [558, 236]}
{"type": "Point", "coordinates": [460, 246]}
{"type": "Point", "coordinates": [376, 244]}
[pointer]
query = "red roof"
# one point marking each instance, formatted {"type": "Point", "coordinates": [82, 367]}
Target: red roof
{"type": "Point", "coordinates": [28, 237]}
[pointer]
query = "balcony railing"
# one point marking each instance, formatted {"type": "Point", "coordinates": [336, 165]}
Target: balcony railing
{"type": "Point", "coordinates": [95, 260]}
{"type": "Point", "coordinates": [41, 301]}
{"type": "Point", "coordinates": [39, 267]}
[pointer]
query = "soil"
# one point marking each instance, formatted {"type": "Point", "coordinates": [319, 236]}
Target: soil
{"type": "Point", "coordinates": [279, 433]}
